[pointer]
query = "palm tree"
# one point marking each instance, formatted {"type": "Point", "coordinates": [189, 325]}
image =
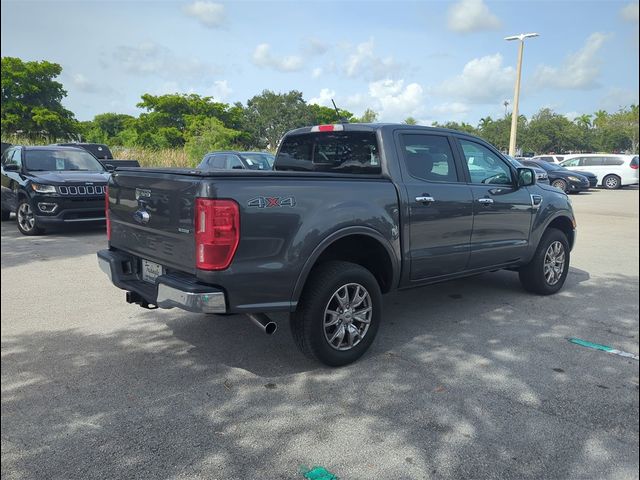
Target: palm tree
{"type": "Point", "coordinates": [485, 122]}
{"type": "Point", "coordinates": [600, 118]}
{"type": "Point", "coordinates": [583, 120]}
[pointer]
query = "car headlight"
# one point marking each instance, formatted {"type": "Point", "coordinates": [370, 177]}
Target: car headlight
{"type": "Point", "coordinates": [573, 179]}
{"type": "Point", "coordinates": [38, 187]}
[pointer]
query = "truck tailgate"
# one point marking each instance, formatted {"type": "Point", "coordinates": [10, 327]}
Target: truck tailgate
{"type": "Point", "coordinates": [152, 216]}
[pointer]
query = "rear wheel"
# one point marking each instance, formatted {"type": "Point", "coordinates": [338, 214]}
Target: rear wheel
{"type": "Point", "coordinates": [338, 314]}
{"type": "Point", "coordinates": [547, 271]}
{"type": "Point", "coordinates": [26, 219]}
{"type": "Point", "coordinates": [611, 182]}
{"type": "Point", "coordinates": [561, 184]}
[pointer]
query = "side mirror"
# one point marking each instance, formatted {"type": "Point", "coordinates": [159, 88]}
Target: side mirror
{"type": "Point", "coordinates": [11, 167]}
{"type": "Point", "coordinates": [526, 177]}
{"type": "Point", "coordinates": [109, 167]}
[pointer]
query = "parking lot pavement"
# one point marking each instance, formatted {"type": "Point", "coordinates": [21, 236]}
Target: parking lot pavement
{"type": "Point", "coordinates": [469, 379]}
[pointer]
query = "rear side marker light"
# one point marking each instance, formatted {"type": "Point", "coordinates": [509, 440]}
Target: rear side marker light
{"type": "Point", "coordinates": [217, 235]}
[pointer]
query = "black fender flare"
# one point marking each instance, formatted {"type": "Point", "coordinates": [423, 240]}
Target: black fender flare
{"type": "Point", "coordinates": [330, 240]}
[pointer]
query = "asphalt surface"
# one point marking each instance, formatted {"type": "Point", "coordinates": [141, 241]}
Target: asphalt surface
{"type": "Point", "coordinates": [469, 379]}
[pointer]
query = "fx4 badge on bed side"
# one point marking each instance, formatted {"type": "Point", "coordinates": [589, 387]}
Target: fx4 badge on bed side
{"type": "Point", "coordinates": [270, 202]}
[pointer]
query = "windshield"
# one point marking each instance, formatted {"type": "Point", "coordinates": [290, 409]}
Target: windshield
{"type": "Point", "coordinates": [513, 161]}
{"type": "Point", "coordinates": [257, 161]}
{"type": "Point", "coordinates": [61, 160]}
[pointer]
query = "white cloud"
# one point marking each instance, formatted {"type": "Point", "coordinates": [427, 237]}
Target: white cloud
{"type": "Point", "coordinates": [364, 62]}
{"type": "Point", "coordinates": [263, 57]}
{"type": "Point", "coordinates": [209, 14]}
{"type": "Point", "coordinates": [220, 90]}
{"type": "Point", "coordinates": [629, 13]}
{"type": "Point", "coordinates": [324, 98]}
{"type": "Point", "coordinates": [83, 84]}
{"type": "Point", "coordinates": [580, 70]}
{"type": "Point", "coordinates": [483, 80]}
{"type": "Point", "coordinates": [471, 16]}
{"type": "Point", "coordinates": [317, 72]}
{"type": "Point", "coordinates": [395, 101]}
{"type": "Point", "coordinates": [451, 109]}
{"type": "Point", "coordinates": [150, 58]}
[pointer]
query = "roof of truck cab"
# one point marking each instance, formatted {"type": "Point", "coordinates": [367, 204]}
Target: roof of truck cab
{"type": "Point", "coordinates": [372, 127]}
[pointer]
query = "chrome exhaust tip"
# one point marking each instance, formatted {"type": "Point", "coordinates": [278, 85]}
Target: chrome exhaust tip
{"type": "Point", "coordinates": [267, 325]}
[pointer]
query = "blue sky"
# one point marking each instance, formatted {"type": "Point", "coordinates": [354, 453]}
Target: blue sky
{"type": "Point", "coordinates": [433, 60]}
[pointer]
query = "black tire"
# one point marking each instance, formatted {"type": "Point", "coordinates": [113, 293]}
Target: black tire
{"type": "Point", "coordinates": [308, 321]}
{"type": "Point", "coordinates": [561, 184]}
{"type": "Point", "coordinates": [5, 215]}
{"type": "Point", "coordinates": [532, 275]}
{"type": "Point", "coordinates": [23, 226]}
{"type": "Point", "coordinates": [611, 182]}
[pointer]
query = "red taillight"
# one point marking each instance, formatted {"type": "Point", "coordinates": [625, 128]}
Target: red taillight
{"type": "Point", "coordinates": [634, 166]}
{"type": "Point", "coordinates": [106, 212]}
{"type": "Point", "coordinates": [217, 225]}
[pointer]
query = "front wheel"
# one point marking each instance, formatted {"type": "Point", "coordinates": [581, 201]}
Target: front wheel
{"type": "Point", "coordinates": [547, 271]}
{"type": "Point", "coordinates": [338, 314]}
{"type": "Point", "coordinates": [611, 182]}
{"type": "Point", "coordinates": [561, 184]}
{"type": "Point", "coordinates": [26, 219]}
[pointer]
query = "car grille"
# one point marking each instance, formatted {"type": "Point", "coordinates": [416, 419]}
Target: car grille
{"type": "Point", "coordinates": [82, 190]}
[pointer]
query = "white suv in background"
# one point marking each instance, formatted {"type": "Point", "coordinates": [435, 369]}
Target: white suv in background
{"type": "Point", "coordinates": [613, 171]}
{"type": "Point", "coordinates": [549, 158]}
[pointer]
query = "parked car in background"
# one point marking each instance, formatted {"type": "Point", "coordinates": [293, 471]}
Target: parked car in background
{"type": "Point", "coordinates": [103, 154]}
{"type": "Point", "coordinates": [549, 158]}
{"type": "Point", "coordinates": [559, 177]}
{"type": "Point", "coordinates": [350, 212]}
{"type": "Point", "coordinates": [541, 174]}
{"type": "Point", "coordinates": [232, 160]}
{"type": "Point", "coordinates": [260, 157]}
{"type": "Point", "coordinates": [50, 186]}
{"type": "Point", "coordinates": [613, 171]}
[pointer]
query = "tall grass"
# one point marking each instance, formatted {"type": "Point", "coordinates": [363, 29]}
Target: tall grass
{"type": "Point", "coordinates": [168, 157]}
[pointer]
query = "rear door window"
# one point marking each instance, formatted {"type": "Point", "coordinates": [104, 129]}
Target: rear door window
{"type": "Point", "coordinates": [429, 157]}
{"type": "Point", "coordinates": [218, 162]}
{"type": "Point", "coordinates": [617, 161]}
{"type": "Point", "coordinates": [592, 161]}
{"type": "Point", "coordinates": [337, 152]}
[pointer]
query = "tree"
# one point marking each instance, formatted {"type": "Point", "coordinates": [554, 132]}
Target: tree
{"type": "Point", "coordinates": [32, 100]}
{"type": "Point", "coordinates": [320, 115]}
{"type": "Point", "coordinates": [583, 121]}
{"type": "Point", "coordinates": [205, 134]}
{"type": "Point", "coordinates": [369, 116]}
{"type": "Point", "coordinates": [270, 115]}
{"type": "Point", "coordinates": [410, 121]}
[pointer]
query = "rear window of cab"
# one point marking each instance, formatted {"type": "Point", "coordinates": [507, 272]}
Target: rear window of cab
{"type": "Point", "coordinates": [335, 152]}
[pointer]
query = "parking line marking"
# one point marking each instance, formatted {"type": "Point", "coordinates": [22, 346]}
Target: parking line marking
{"type": "Point", "coordinates": [604, 348]}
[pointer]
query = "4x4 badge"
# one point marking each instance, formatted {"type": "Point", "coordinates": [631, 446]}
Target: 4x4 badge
{"type": "Point", "coordinates": [271, 202]}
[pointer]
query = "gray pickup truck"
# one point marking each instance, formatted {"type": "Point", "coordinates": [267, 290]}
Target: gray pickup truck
{"type": "Point", "coordinates": [351, 211]}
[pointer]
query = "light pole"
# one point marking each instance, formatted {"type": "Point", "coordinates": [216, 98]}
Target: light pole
{"type": "Point", "coordinates": [516, 94]}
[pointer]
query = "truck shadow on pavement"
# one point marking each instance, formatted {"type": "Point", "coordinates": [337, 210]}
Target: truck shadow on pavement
{"type": "Point", "coordinates": [469, 379]}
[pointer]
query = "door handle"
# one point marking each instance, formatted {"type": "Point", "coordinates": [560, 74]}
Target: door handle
{"type": "Point", "coordinates": [425, 199]}
{"type": "Point", "coordinates": [486, 201]}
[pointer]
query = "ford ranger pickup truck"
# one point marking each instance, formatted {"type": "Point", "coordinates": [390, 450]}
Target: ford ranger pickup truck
{"type": "Point", "coordinates": [350, 212]}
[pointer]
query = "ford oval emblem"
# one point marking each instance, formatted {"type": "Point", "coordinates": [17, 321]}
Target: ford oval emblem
{"type": "Point", "coordinates": [141, 216]}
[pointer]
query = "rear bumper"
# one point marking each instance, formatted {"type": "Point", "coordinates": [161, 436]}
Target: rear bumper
{"type": "Point", "coordinates": [168, 291]}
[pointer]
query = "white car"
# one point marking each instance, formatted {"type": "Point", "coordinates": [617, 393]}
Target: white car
{"type": "Point", "coordinates": [613, 171]}
{"type": "Point", "coordinates": [549, 158]}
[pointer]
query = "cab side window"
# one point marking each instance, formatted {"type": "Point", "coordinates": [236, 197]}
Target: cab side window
{"type": "Point", "coordinates": [484, 165]}
{"type": "Point", "coordinates": [13, 156]}
{"type": "Point", "coordinates": [429, 157]}
{"type": "Point", "coordinates": [234, 162]}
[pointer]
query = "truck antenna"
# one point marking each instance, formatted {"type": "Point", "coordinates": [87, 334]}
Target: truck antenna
{"type": "Point", "coordinates": [340, 119]}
